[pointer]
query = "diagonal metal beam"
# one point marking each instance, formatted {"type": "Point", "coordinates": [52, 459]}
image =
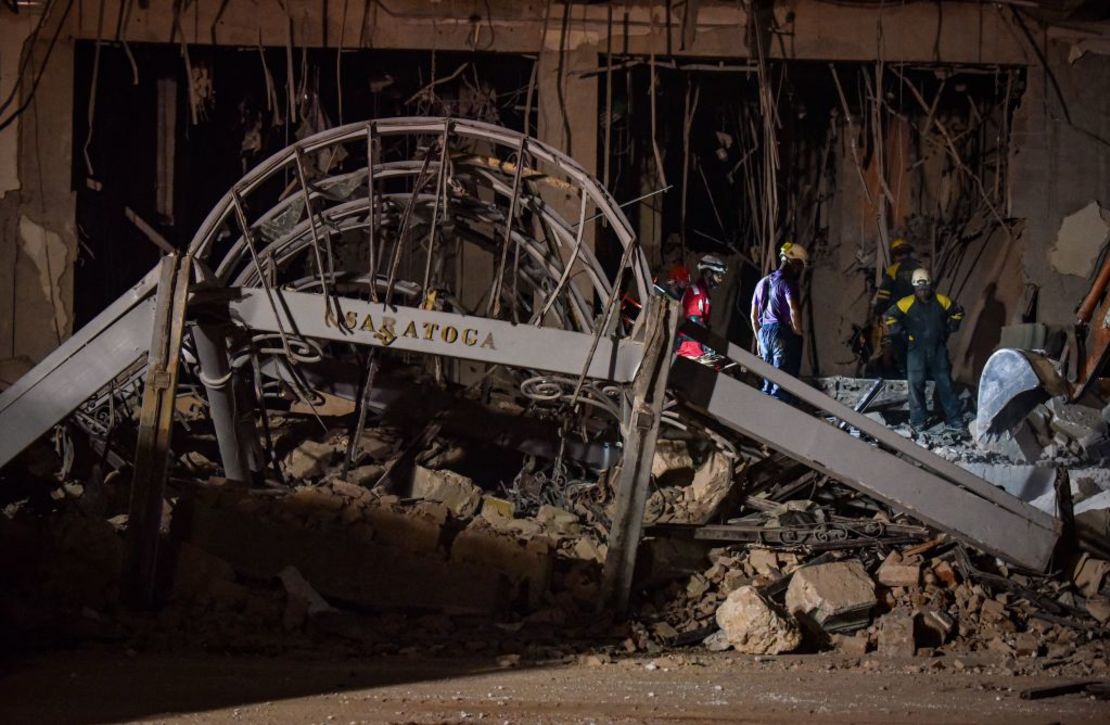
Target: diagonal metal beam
{"type": "Point", "coordinates": [898, 482]}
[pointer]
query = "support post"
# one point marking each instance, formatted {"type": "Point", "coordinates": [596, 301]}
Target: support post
{"type": "Point", "coordinates": [640, 433]}
{"type": "Point", "coordinates": [155, 426]}
{"type": "Point", "coordinates": [219, 385]}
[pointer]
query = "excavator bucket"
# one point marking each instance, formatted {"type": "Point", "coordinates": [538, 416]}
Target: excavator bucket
{"type": "Point", "coordinates": [1012, 384]}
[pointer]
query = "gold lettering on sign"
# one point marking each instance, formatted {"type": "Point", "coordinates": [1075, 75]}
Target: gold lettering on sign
{"type": "Point", "coordinates": [386, 331]}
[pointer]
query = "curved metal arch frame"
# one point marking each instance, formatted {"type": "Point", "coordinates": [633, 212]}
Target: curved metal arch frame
{"type": "Point", "coordinates": [223, 212]}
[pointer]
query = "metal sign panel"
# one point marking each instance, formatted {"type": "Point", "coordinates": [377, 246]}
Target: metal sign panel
{"type": "Point", "coordinates": [432, 332]}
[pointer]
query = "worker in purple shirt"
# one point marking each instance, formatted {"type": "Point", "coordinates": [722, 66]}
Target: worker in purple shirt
{"type": "Point", "coordinates": [777, 318]}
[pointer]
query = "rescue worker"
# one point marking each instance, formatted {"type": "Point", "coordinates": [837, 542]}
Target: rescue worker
{"type": "Point", "coordinates": [677, 280]}
{"type": "Point", "coordinates": [897, 283]}
{"type": "Point", "coordinates": [927, 318]}
{"type": "Point", "coordinates": [776, 316]}
{"type": "Point", "coordinates": [696, 304]}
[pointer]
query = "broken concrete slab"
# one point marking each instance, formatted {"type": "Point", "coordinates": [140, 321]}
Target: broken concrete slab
{"type": "Point", "coordinates": [753, 625]}
{"type": "Point", "coordinates": [454, 490]}
{"type": "Point", "coordinates": [834, 597]}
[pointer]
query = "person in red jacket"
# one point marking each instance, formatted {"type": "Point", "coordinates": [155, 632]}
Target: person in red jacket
{"type": "Point", "coordinates": [696, 303]}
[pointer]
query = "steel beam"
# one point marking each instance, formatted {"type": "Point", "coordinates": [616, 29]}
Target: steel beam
{"type": "Point", "coordinates": [898, 482]}
{"type": "Point", "coordinates": [82, 365]}
{"type": "Point", "coordinates": [432, 332]}
{"type": "Point", "coordinates": [943, 469]}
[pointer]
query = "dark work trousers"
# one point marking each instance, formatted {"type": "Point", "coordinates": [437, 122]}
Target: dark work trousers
{"type": "Point", "coordinates": [779, 346]}
{"type": "Point", "coordinates": [924, 362]}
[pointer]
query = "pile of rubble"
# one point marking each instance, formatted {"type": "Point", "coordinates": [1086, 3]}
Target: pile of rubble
{"type": "Point", "coordinates": [924, 600]}
{"type": "Point", "coordinates": [411, 551]}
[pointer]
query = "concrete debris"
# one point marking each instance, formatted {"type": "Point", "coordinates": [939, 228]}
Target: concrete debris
{"type": "Point", "coordinates": [835, 597]}
{"type": "Point", "coordinates": [455, 491]}
{"type": "Point", "coordinates": [296, 586]}
{"type": "Point", "coordinates": [896, 635]}
{"type": "Point", "coordinates": [898, 572]}
{"type": "Point", "coordinates": [754, 626]}
{"type": "Point", "coordinates": [309, 460]}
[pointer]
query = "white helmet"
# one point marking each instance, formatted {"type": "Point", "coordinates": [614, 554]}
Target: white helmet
{"type": "Point", "coordinates": [922, 278]}
{"type": "Point", "coordinates": [712, 263]}
{"type": "Point", "coordinates": [791, 251]}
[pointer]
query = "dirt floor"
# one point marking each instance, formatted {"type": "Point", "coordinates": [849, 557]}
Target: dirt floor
{"type": "Point", "coordinates": [87, 687]}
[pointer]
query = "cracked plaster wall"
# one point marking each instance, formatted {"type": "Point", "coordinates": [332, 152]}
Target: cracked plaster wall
{"type": "Point", "coordinates": [38, 240]}
{"type": "Point", "coordinates": [1057, 171]}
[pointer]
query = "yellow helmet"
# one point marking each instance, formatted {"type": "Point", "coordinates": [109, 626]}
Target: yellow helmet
{"type": "Point", "coordinates": [900, 244]}
{"type": "Point", "coordinates": [792, 251]}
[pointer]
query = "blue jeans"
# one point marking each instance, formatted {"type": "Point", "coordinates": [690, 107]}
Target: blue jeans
{"type": "Point", "coordinates": [781, 347]}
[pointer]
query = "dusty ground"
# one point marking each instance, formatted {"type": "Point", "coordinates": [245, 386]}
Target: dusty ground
{"type": "Point", "coordinates": [85, 687]}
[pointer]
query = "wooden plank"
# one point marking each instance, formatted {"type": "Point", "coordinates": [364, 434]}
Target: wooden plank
{"type": "Point", "coordinates": [640, 434]}
{"type": "Point", "coordinates": [155, 426]}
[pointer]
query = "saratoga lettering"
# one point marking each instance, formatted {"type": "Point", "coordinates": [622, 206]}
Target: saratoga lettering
{"type": "Point", "coordinates": [385, 331]}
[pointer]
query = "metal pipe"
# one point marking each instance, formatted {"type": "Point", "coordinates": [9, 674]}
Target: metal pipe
{"type": "Point", "coordinates": [219, 384]}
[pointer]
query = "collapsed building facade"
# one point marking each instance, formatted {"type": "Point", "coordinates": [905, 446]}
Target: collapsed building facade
{"type": "Point", "coordinates": [392, 347]}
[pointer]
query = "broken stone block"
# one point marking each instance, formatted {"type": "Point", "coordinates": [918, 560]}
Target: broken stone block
{"type": "Point", "coordinates": [366, 475]}
{"type": "Point", "coordinates": [834, 597]}
{"type": "Point", "coordinates": [1078, 422]}
{"type": "Point", "coordinates": [896, 635]}
{"type": "Point", "coordinates": [945, 574]}
{"type": "Point", "coordinates": [454, 490]}
{"type": "Point", "coordinates": [672, 464]}
{"type": "Point", "coordinates": [992, 611]}
{"type": "Point", "coordinates": [854, 645]}
{"type": "Point", "coordinates": [754, 626]}
{"type": "Point", "coordinates": [896, 572]}
{"type": "Point", "coordinates": [711, 482]}
{"type": "Point", "coordinates": [935, 626]}
{"type": "Point", "coordinates": [557, 521]}
{"type": "Point", "coordinates": [527, 565]}
{"type": "Point", "coordinates": [1027, 644]}
{"type": "Point", "coordinates": [764, 562]}
{"type": "Point", "coordinates": [1089, 573]}
{"type": "Point", "coordinates": [1099, 608]}
{"type": "Point", "coordinates": [309, 460]}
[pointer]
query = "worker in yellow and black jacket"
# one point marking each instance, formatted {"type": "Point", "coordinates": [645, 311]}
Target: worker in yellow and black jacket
{"type": "Point", "coordinates": [897, 283]}
{"type": "Point", "coordinates": [926, 319]}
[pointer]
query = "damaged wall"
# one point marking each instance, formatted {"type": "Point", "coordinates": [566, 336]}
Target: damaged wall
{"type": "Point", "coordinates": [38, 240]}
{"type": "Point", "coordinates": [1061, 177]}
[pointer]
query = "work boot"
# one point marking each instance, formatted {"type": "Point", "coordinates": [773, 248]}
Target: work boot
{"type": "Point", "coordinates": [951, 427]}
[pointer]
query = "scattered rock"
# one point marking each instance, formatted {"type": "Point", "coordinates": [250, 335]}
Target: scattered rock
{"type": "Point", "coordinates": [752, 625]}
{"type": "Point", "coordinates": [454, 490]}
{"type": "Point", "coordinates": [309, 460]}
{"type": "Point", "coordinates": [896, 635]}
{"type": "Point", "coordinates": [896, 572]}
